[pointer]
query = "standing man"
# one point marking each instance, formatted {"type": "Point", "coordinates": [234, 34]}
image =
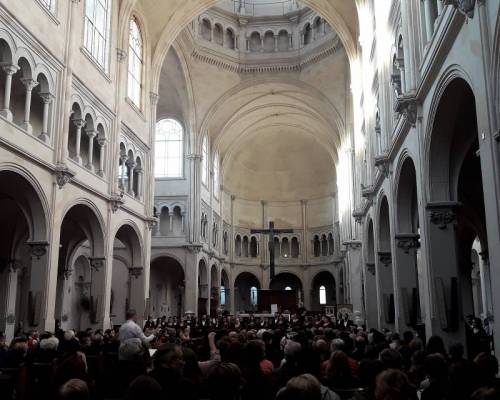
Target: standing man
{"type": "Point", "coordinates": [132, 338]}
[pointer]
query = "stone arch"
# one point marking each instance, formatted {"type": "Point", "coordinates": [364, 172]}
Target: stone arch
{"type": "Point", "coordinates": [243, 284]}
{"type": "Point", "coordinates": [406, 196]}
{"type": "Point", "coordinates": [225, 293]}
{"type": "Point", "coordinates": [167, 286]}
{"type": "Point", "coordinates": [203, 288]}
{"type": "Point", "coordinates": [327, 280]}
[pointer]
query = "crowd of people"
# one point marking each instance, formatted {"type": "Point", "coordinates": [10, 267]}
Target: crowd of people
{"type": "Point", "coordinates": [287, 357]}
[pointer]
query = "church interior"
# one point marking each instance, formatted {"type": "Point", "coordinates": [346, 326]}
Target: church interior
{"type": "Point", "coordinates": [241, 158]}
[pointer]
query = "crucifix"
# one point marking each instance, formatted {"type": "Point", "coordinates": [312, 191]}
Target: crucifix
{"type": "Point", "coordinates": [271, 232]}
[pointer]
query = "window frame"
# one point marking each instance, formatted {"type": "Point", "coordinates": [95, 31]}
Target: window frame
{"type": "Point", "coordinates": [322, 292]}
{"type": "Point", "coordinates": [89, 50]}
{"type": "Point", "coordinates": [132, 54]}
{"type": "Point", "coordinates": [181, 149]}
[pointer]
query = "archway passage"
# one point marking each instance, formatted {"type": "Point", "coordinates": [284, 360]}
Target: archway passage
{"type": "Point", "coordinates": [385, 277]}
{"type": "Point", "coordinates": [323, 291]}
{"type": "Point", "coordinates": [287, 281]}
{"type": "Point", "coordinates": [225, 292]}
{"type": "Point", "coordinates": [166, 289]}
{"type": "Point", "coordinates": [127, 282]}
{"type": "Point", "coordinates": [456, 190]}
{"type": "Point", "coordinates": [214, 290]}
{"type": "Point", "coordinates": [203, 289]}
{"type": "Point", "coordinates": [23, 233]}
{"type": "Point", "coordinates": [82, 267]}
{"type": "Point", "coordinates": [246, 288]}
{"type": "Point", "coordinates": [409, 274]}
{"type": "Point", "coordinates": [370, 288]}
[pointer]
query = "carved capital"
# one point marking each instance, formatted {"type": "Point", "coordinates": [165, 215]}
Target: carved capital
{"type": "Point", "coordinates": [194, 157]}
{"type": "Point", "coordinates": [465, 7]}
{"type": "Point", "coordinates": [407, 105]}
{"type": "Point", "coordinates": [121, 55]}
{"type": "Point", "coordinates": [408, 241]}
{"type": "Point", "coordinates": [367, 192]}
{"type": "Point", "coordinates": [47, 97]}
{"type": "Point", "coordinates": [370, 267]}
{"type": "Point", "coordinates": [79, 123]}
{"type": "Point", "coordinates": [382, 162]}
{"type": "Point", "coordinates": [352, 245]}
{"type": "Point", "coordinates": [136, 272]}
{"type": "Point", "coordinates": [97, 263]}
{"type": "Point", "coordinates": [443, 214]}
{"type": "Point", "coordinates": [358, 215]}
{"type": "Point", "coordinates": [38, 249]}
{"type": "Point", "coordinates": [194, 248]}
{"type": "Point", "coordinates": [10, 69]}
{"type": "Point", "coordinates": [155, 97]}
{"type": "Point", "coordinates": [66, 272]}
{"type": "Point", "coordinates": [63, 175]}
{"type": "Point", "coordinates": [116, 201]}
{"type": "Point", "coordinates": [152, 222]}
{"type": "Point", "coordinates": [29, 84]}
{"type": "Point", "coordinates": [385, 258]}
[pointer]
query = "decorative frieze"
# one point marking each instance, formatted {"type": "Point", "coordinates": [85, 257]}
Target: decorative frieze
{"type": "Point", "coordinates": [408, 241]}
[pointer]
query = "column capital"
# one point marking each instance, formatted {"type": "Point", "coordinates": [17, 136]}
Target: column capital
{"type": "Point", "coordinates": [63, 175]}
{"type": "Point", "coordinates": [47, 97]}
{"type": "Point", "coordinates": [101, 140]}
{"type": "Point", "coordinates": [407, 241]}
{"type": "Point", "coordinates": [352, 245]}
{"type": "Point", "coordinates": [136, 272]}
{"type": "Point", "coordinates": [29, 83]}
{"type": "Point", "coordinates": [385, 257]}
{"type": "Point", "coordinates": [370, 267]}
{"type": "Point", "coordinates": [124, 157]}
{"type": "Point", "coordinates": [443, 214]}
{"type": "Point", "coordinates": [121, 55]}
{"type": "Point", "coordinates": [155, 97]}
{"type": "Point", "coordinates": [79, 123]}
{"type": "Point", "coordinates": [194, 157]}
{"type": "Point", "coordinates": [10, 69]}
{"type": "Point", "coordinates": [38, 248]}
{"type": "Point", "coordinates": [131, 164]}
{"type": "Point", "coordinates": [91, 133]}
{"type": "Point", "coordinates": [97, 263]}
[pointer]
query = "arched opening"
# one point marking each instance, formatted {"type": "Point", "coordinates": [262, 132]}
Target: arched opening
{"type": "Point", "coordinates": [225, 291]}
{"type": "Point", "coordinates": [214, 291]}
{"type": "Point", "coordinates": [286, 280]}
{"type": "Point", "coordinates": [295, 248]}
{"type": "Point", "coordinates": [206, 29]}
{"type": "Point", "coordinates": [165, 221]}
{"type": "Point", "coordinates": [323, 291]}
{"type": "Point", "coordinates": [230, 39]}
{"type": "Point", "coordinates": [177, 223]}
{"type": "Point", "coordinates": [203, 295]}
{"type": "Point", "coordinates": [237, 246]}
{"type": "Point", "coordinates": [324, 246]}
{"type": "Point", "coordinates": [253, 247]}
{"type": "Point", "coordinates": [342, 283]}
{"type": "Point", "coordinates": [246, 298]}
{"type": "Point", "coordinates": [244, 247]}
{"type": "Point", "coordinates": [456, 191]}
{"type": "Point", "coordinates": [80, 300]}
{"type": "Point", "coordinates": [166, 288]}
{"type": "Point", "coordinates": [408, 245]}
{"type": "Point", "coordinates": [307, 34]}
{"type": "Point", "coordinates": [218, 34]}
{"type": "Point", "coordinates": [370, 282]}
{"type": "Point", "coordinates": [269, 42]}
{"type": "Point", "coordinates": [331, 244]}
{"type": "Point", "coordinates": [23, 260]}
{"type": "Point", "coordinates": [283, 41]}
{"type": "Point", "coordinates": [127, 281]}
{"type": "Point", "coordinates": [285, 248]}
{"type": "Point", "coordinates": [255, 42]}
{"type": "Point", "coordinates": [385, 277]}
{"type": "Point", "coordinates": [316, 246]}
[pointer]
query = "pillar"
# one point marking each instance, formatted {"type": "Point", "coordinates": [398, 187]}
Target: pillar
{"type": "Point", "coordinates": [123, 160]}
{"type": "Point", "coordinates": [79, 123]}
{"type": "Point", "coordinates": [386, 287]}
{"type": "Point", "coordinates": [353, 274]}
{"type": "Point", "coordinates": [191, 279]}
{"type": "Point", "coordinates": [101, 141]}
{"type": "Point", "coordinates": [136, 287]}
{"type": "Point", "coordinates": [10, 317]}
{"type": "Point", "coordinates": [29, 84]}
{"type": "Point", "coordinates": [98, 309]}
{"type": "Point", "coordinates": [47, 100]}
{"type": "Point", "coordinates": [429, 19]}
{"type": "Point", "coordinates": [407, 280]}
{"type": "Point", "coordinates": [91, 134]}
{"type": "Point", "coordinates": [131, 165]}
{"type": "Point", "coordinates": [275, 43]}
{"type": "Point", "coordinates": [140, 173]}
{"type": "Point", "coordinates": [38, 289]}
{"type": "Point", "coordinates": [9, 70]}
{"type": "Point", "coordinates": [444, 276]}
{"type": "Point", "coordinates": [370, 295]}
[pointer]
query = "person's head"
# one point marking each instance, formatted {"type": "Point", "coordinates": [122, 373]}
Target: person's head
{"type": "Point", "coordinates": [49, 343]}
{"type": "Point", "coordinates": [143, 387]}
{"type": "Point", "coordinates": [339, 365]}
{"type": "Point", "coordinates": [224, 382]}
{"type": "Point", "coordinates": [292, 349]}
{"type": "Point", "coordinates": [191, 366]}
{"type": "Point", "coordinates": [74, 389]}
{"type": "Point", "coordinates": [131, 315]}
{"type": "Point", "coordinates": [487, 364]}
{"type": "Point", "coordinates": [393, 384]}
{"type": "Point", "coordinates": [456, 351]}
{"type": "Point", "coordinates": [303, 387]}
{"type": "Point", "coordinates": [337, 345]}
{"type": "Point", "coordinates": [435, 367]}
{"type": "Point", "coordinates": [391, 359]}
{"type": "Point", "coordinates": [253, 353]}
{"type": "Point", "coordinates": [169, 356]}
{"type": "Point", "coordinates": [436, 345]}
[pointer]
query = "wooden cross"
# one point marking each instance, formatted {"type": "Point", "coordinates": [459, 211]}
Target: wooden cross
{"type": "Point", "coordinates": [271, 232]}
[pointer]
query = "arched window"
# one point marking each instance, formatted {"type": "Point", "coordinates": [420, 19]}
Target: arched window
{"type": "Point", "coordinates": [253, 296]}
{"type": "Point", "coordinates": [169, 149]}
{"type": "Point", "coordinates": [222, 296]}
{"type": "Point", "coordinates": [288, 288]}
{"type": "Point", "coordinates": [95, 40]}
{"type": "Point", "coordinates": [322, 295]}
{"type": "Point", "coordinates": [216, 175]}
{"type": "Point", "coordinates": [135, 63]}
{"type": "Point", "coordinates": [204, 161]}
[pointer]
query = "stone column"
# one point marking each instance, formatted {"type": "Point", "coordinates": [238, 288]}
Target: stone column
{"type": "Point", "coordinates": [183, 224]}
{"type": "Point", "coordinates": [429, 19]}
{"type": "Point", "coordinates": [484, 273]}
{"type": "Point", "coordinates": [370, 294]}
{"type": "Point", "coordinates": [123, 160]}
{"type": "Point", "coordinates": [101, 141]}
{"type": "Point", "coordinates": [407, 280]}
{"type": "Point", "coordinates": [29, 84]}
{"type": "Point", "coordinates": [191, 279]}
{"type": "Point", "coordinates": [47, 100]}
{"type": "Point", "coordinates": [262, 44]}
{"type": "Point", "coordinates": [9, 70]}
{"type": "Point", "coordinates": [386, 287]}
{"type": "Point", "coordinates": [98, 310]}
{"type": "Point", "coordinates": [38, 277]}
{"type": "Point", "coordinates": [171, 220]}
{"type": "Point", "coordinates": [354, 274]}
{"type": "Point", "coordinates": [79, 123]}
{"type": "Point", "coordinates": [446, 316]}
{"type": "Point", "coordinates": [303, 248]}
{"type": "Point", "coordinates": [136, 285]}
{"type": "Point", "coordinates": [140, 173]}
{"type": "Point", "coordinates": [131, 166]}
{"type": "Point", "coordinates": [275, 43]}
{"type": "Point", "coordinates": [91, 135]}
{"type": "Point", "coordinates": [440, 6]}
{"type": "Point", "coordinates": [10, 282]}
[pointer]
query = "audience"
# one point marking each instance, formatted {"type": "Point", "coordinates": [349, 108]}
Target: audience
{"type": "Point", "coordinates": [226, 358]}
